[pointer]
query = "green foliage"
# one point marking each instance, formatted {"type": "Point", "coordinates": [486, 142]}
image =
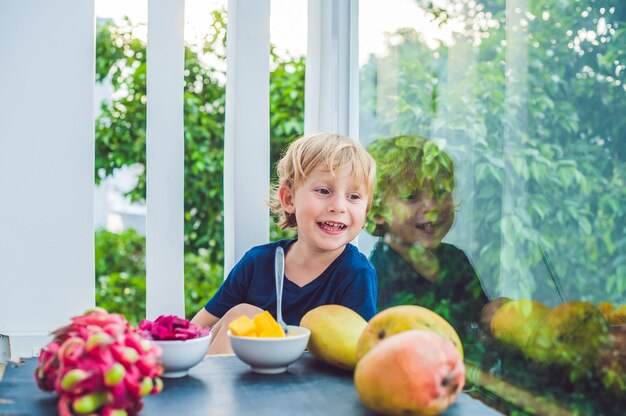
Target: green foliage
{"type": "Point", "coordinates": [121, 126]}
{"type": "Point", "coordinates": [286, 115]}
{"type": "Point", "coordinates": [121, 276]}
{"type": "Point", "coordinates": [202, 279]}
{"type": "Point", "coordinates": [286, 104]}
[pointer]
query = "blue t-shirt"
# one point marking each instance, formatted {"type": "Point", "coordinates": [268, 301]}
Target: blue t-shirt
{"type": "Point", "coordinates": [350, 280]}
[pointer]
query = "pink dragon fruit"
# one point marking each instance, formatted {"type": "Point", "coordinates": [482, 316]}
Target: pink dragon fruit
{"type": "Point", "coordinates": [171, 327]}
{"type": "Point", "coordinates": [99, 364]}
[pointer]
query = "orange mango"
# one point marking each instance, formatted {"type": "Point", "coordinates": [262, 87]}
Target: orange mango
{"type": "Point", "coordinates": [263, 325]}
{"type": "Point", "coordinates": [262, 322]}
{"type": "Point", "coordinates": [275, 331]}
{"type": "Point", "coordinates": [243, 326]}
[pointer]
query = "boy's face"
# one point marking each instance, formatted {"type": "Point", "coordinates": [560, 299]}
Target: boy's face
{"type": "Point", "coordinates": [330, 209]}
{"type": "Point", "coordinates": [421, 217]}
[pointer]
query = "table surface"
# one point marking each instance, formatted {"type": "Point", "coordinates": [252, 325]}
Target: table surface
{"type": "Point", "coordinates": [223, 385]}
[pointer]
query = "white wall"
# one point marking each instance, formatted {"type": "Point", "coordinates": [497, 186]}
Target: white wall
{"type": "Point", "coordinates": [46, 166]}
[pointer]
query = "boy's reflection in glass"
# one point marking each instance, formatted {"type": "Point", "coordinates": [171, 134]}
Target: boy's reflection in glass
{"type": "Point", "coordinates": [412, 211]}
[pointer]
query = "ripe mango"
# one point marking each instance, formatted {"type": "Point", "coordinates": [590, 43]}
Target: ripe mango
{"type": "Point", "coordinates": [614, 314]}
{"type": "Point", "coordinates": [416, 372]}
{"type": "Point", "coordinates": [243, 327]}
{"type": "Point", "coordinates": [487, 312]}
{"type": "Point", "coordinates": [514, 322]}
{"type": "Point", "coordinates": [403, 318]}
{"type": "Point", "coordinates": [570, 334]}
{"type": "Point", "coordinates": [335, 331]}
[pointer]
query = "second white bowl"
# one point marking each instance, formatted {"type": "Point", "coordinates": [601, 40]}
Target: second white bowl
{"type": "Point", "coordinates": [180, 356]}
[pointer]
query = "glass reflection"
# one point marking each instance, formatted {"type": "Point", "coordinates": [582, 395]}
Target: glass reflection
{"type": "Point", "coordinates": [412, 212]}
{"type": "Point", "coordinates": [528, 99]}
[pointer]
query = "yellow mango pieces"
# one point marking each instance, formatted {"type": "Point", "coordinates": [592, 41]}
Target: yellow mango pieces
{"type": "Point", "coordinates": [274, 332]}
{"type": "Point", "coordinates": [263, 322]}
{"type": "Point", "coordinates": [242, 326]}
{"type": "Point", "coordinates": [263, 325]}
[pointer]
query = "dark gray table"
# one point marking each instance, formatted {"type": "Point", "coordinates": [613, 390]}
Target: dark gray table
{"type": "Point", "coordinates": [223, 385]}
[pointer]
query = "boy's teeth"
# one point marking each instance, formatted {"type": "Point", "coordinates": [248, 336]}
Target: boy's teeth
{"type": "Point", "coordinates": [427, 226]}
{"type": "Point", "coordinates": [334, 225]}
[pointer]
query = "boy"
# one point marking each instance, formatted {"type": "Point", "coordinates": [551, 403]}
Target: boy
{"type": "Point", "coordinates": [325, 187]}
{"type": "Point", "coordinates": [412, 211]}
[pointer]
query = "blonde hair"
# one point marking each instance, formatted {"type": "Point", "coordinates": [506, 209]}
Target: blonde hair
{"type": "Point", "coordinates": [326, 151]}
{"type": "Point", "coordinates": [405, 163]}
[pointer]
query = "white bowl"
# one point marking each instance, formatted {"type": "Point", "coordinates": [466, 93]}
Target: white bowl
{"type": "Point", "coordinates": [180, 356]}
{"type": "Point", "coordinates": [271, 355]}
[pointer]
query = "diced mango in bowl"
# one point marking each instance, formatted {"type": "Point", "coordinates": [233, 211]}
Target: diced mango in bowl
{"type": "Point", "coordinates": [263, 325]}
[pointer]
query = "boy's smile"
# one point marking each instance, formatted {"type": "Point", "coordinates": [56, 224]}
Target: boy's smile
{"type": "Point", "coordinates": [422, 220]}
{"type": "Point", "coordinates": [331, 227]}
{"type": "Point", "coordinates": [330, 209]}
{"type": "Point", "coordinates": [429, 227]}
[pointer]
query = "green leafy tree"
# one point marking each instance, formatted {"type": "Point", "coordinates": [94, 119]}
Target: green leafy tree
{"type": "Point", "coordinates": [121, 274]}
{"type": "Point", "coordinates": [121, 140]}
{"type": "Point", "coordinates": [121, 126]}
{"type": "Point", "coordinates": [121, 132]}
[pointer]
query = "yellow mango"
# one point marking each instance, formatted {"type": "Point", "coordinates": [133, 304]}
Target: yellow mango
{"type": "Point", "coordinates": [275, 331]}
{"type": "Point", "coordinates": [335, 331]}
{"type": "Point", "coordinates": [401, 318]}
{"type": "Point", "coordinates": [262, 325]}
{"type": "Point", "coordinates": [263, 321]}
{"type": "Point", "coordinates": [242, 326]}
{"type": "Point", "coordinates": [614, 314]}
{"type": "Point", "coordinates": [571, 334]}
{"type": "Point", "coordinates": [618, 317]}
{"type": "Point", "coordinates": [514, 322]}
{"type": "Point", "coordinates": [606, 308]}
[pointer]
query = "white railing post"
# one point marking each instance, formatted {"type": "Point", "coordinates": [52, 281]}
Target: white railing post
{"type": "Point", "coordinates": [165, 283]}
{"type": "Point", "coordinates": [331, 95]}
{"type": "Point", "coordinates": [246, 136]}
{"type": "Point", "coordinates": [47, 79]}
{"type": "Point", "coordinates": [331, 100]}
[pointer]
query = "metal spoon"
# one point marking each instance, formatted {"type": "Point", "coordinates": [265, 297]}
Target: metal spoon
{"type": "Point", "coordinates": [279, 270]}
